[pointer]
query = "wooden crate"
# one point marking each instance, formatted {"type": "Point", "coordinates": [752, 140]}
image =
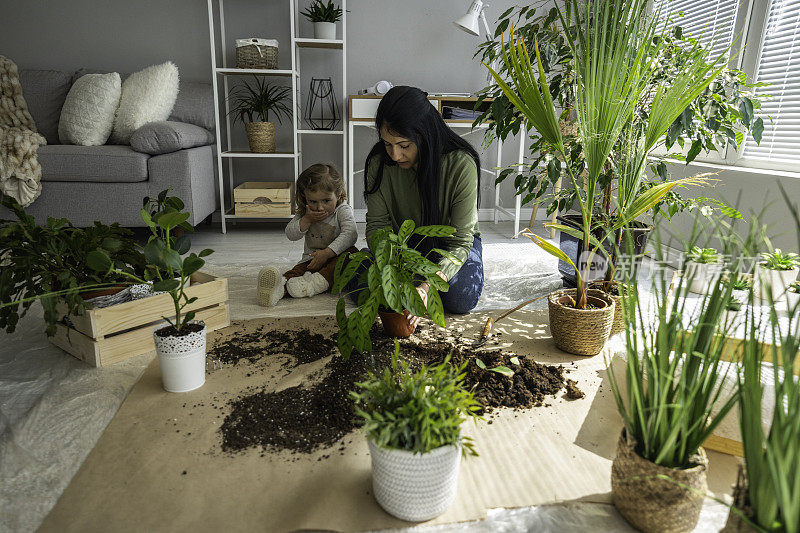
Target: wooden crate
{"type": "Point", "coordinates": [263, 199]}
{"type": "Point", "coordinates": [102, 337]}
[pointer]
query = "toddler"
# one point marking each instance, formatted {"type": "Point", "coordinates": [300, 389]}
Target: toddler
{"type": "Point", "coordinates": [329, 227]}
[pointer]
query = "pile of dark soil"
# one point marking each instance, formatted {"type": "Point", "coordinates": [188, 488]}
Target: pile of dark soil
{"type": "Point", "coordinates": [303, 419]}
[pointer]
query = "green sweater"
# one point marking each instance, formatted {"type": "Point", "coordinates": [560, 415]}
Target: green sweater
{"type": "Point", "coordinates": [397, 200]}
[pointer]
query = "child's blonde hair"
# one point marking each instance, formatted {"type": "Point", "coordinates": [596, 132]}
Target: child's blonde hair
{"type": "Point", "coordinates": [319, 177]}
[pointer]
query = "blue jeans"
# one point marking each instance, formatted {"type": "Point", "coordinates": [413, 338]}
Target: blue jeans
{"type": "Point", "coordinates": [465, 287]}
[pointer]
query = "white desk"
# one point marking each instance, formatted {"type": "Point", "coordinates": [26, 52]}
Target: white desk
{"type": "Point", "coordinates": [362, 110]}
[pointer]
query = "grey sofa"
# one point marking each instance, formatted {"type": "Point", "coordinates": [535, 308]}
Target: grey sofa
{"type": "Point", "coordinates": [107, 183]}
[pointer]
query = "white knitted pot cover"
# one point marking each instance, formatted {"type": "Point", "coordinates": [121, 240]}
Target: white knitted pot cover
{"type": "Point", "coordinates": [182, 360]}
{"type": "Point", "coordinates": [415, 487]}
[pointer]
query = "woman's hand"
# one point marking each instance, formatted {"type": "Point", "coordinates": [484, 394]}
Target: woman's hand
{"type": "Point", "coordinates": [319, 258]}
{"type": "Point", "coordinates": [422, 289]}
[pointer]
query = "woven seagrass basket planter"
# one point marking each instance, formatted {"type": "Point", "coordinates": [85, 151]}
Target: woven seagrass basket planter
{"type": "Point", "coordinates": [618, 325]}
{"type": "Point", "coordinates": [414, 486]}
{"type": "Point", "coordinates": [655, 505]}
{"type": "Point", "coordinates": [741, 501]}
{"type": "Point", "coordinates": [580, 331]}
{"type": "Point", "coordinates": [261, 137]}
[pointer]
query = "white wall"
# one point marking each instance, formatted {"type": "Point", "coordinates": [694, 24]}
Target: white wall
{"type": "Point", "coordinates": [410, 42]}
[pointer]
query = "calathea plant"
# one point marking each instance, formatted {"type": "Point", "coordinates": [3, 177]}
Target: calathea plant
{"type": "Point", "coordinates": [169, 267]}
{"type": "Point", "coordinates": [49, 263]}
{"type": "Point", "coordinates": [394, 268]}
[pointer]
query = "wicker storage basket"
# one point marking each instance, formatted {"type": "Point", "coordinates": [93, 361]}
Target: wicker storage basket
{"type": "Point", "coordinates": [655, 505]}
{"type": "Point", "coordinates": [581, 331]}
{"type": "Point", "coordinates": [257, 53]}
{"type": "Point", "coordinates": [261, 137]}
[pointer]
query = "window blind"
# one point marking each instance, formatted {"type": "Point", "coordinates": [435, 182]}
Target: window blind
{"type": "Point", "coordinates": [709, 21]}
{"type": "Point", "coordinates": [779, 66]}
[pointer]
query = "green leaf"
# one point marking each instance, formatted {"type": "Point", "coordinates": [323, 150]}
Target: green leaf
{"type": "Point", "coordinates": [111, 244]}
{"type": "Point", "coordinates": [435, 231]}
{"type": "Point", "coordinates": [515, 361]}
{"type": "Point", "coordinates": [405, 230]}
{"type": "Point", "coordinates": [169, 220]}
{"type": "Point", "coordinates": [188, 317]}
{"type": "Point", "coordinates": [746, 110]}
{"type": "Point", "coordinates": [146, 217]}
{"type": "Point", "coordinates": [166, 285]}
{"type": "Point", "coordinates": [344, 343]}
{"type": "Point", "coordinates": [412, 300]}
{"type": "Point", "coordinates": [182, 244]}
{"type": "Point", "coordinates": [98, 260]}
{"type": "Point", "coordinates": [447, 255]}
{"type": "Point", "coordinates": [206, 252]}
{"type": "Point", "coordinates": [697, 146]}
{"type": "Point", "coordinates": [192, 264]}
{"type": "Point", "coordinates": [435, 307]}
{"type": "Point", "coordinates": [154, 253]}
{"type": "Point", "coordinates": [758, 129]}
{"type": "Point", "coordinates": [480, 363]}
{"type": "Point", "coordinates": [390, 280]}
{"type": "Point", "coordinates": [172, 259]}
{"type": "Point", "coordinates": [503, 370]}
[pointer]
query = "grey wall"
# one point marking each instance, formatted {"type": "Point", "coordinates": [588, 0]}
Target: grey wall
{"type": "Point", "coordinates": [412, 42]}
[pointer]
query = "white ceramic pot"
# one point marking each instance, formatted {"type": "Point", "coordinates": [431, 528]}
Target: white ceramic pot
{"type": "Point", "coordinates": [182, 360]}
{"type": "Point", "coordinates": [325, 30]}
{"type": "Point", "coordinates": [701, 276]}
{"type": "Point", "coordinates": [793, 299]}
{"type": "Point", "coordinates": [775, 280]}
{"type": "Point", "coordinates": [412, 486]}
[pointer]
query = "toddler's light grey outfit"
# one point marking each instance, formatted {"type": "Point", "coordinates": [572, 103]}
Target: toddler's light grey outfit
{"type": "Point", "coordinates": [337, 232]}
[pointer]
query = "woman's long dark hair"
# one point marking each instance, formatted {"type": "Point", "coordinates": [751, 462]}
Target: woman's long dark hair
{"type": "Point", "coordinates": [406, 112]}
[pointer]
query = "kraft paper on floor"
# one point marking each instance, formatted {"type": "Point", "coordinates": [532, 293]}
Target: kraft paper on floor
{"type": "Point", "coordinates": [159, 465]}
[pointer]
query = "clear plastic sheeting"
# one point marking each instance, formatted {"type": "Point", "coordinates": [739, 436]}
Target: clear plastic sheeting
{"type": "Point", "coordinates": [571, 517]}
{"type": "Point", "coordinates": [53, 409]}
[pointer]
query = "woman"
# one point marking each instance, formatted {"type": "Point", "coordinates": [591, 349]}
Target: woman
{"type": "Point", "coordinates": [422, 171]}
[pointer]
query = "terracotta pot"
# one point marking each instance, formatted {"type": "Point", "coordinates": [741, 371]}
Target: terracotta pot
{"type": "Point", "coordinates": [396, 324]}
{"type": "Point", "coordinates": [580, 331]}
{"type": "Point", "coordinates": [653, 504]}
{"type": "Point", "coordinates": [88, 295]}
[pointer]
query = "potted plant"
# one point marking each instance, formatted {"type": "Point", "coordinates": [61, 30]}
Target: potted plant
{"type": "Point", "coordinates": [670, 397]}
{"type": "Point", "coordinates": [391, 269]}
{"type": "Point", "coordinates": [324, 17]}
{"type": "Point", "coordinates": [776, 272]}
{"type": "Point", "coordinates": [705, 122]}
{"type": "Point", "coordinates": [413, 425]}
{"type": "Point", "coordinates": [766, 496]}
{"type": "Point", "coordinates": [49, 263]}
{"type": "Point", "coordinates": [598, 50]}
{"type": "Point", "coordinates": [258, 101]}
{"type": "Point", "coordinates": [703, 266]}
{"type": "Point", "coordinates": [181, 344]}
{"type": "Point", "coordinates": [793, 294]}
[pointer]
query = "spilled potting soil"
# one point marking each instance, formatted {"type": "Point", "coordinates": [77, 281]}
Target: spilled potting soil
{"type": "Point", "coordinates": [317, 415]}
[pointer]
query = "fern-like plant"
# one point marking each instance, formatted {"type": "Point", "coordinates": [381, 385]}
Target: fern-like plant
{"type": "Point", "coordinates": [259, 100]}
{"type": "Point", "coordinates": [394, 268]}
{"type": "Point", "coordinates": [416, 411]}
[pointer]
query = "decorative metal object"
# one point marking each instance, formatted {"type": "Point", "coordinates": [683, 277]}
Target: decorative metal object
{"type": "Point", "coordinates": [322, 109]}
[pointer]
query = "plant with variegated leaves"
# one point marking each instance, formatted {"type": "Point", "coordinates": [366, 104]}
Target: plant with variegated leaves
{"type": "Point", "coordinates": [395, 269]}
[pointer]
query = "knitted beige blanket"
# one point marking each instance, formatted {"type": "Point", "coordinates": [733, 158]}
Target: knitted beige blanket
{"type": "Point", "coordinates": [20, 172]}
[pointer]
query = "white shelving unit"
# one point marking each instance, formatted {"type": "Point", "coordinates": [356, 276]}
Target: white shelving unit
{"type": "Point", "coordinates": [225, 153]}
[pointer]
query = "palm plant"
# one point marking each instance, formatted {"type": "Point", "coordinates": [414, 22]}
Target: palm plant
{"type": "Point", "coordinates": [259, 100]}
{"type": "Point", "coordinates": [616, 60]}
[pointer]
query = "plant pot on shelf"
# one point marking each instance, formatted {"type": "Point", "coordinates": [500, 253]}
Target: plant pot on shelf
{"type": "Point", "coordinates": [414, 486]}
{"type": "Point", "coordinates": [777, 281]}
{"type": "Point", "coordinates": [653, 504]}
{"type": "Point", "coordinates": [261, 137]}
{"type": "Point", "coordinates": [792, 298]}
{"type": "Point", "coordinates": [182, 359]}
{"type": "Point", "coordinates": [580, 331]}
{"type": "Point", "coordinates": [396, 324]}
{"type": "Point", "coordinates": [701, 276]}
{"type": "Point", "coordinates": [325, 30]}
{"type": "Point", "coordinates": [573, 247]}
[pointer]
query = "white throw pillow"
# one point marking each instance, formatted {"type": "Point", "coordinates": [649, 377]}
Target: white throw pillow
{"type": "Point", "coordinates": [88, 113]}
{"type": "Point", "coordinates": [147, 96]}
